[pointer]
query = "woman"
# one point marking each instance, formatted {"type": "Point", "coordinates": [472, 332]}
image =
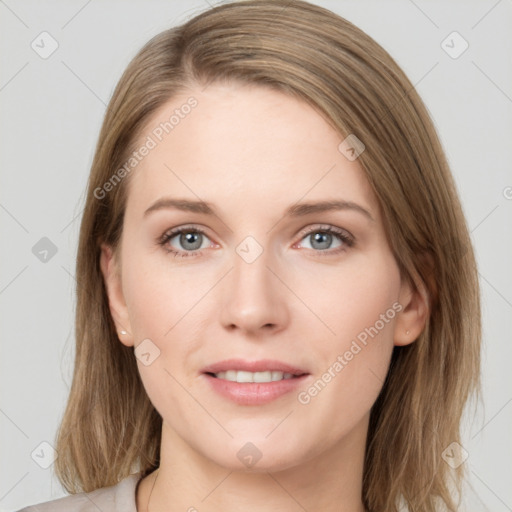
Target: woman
{"type": "Point", "coordinates": [277, 302]}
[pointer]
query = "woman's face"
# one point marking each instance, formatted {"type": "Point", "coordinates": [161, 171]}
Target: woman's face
{"type": "Point", "coordinates": [282, 268]}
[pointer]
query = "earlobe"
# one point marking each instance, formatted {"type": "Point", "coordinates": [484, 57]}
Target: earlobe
{"type": "Point", "coordinates": [117, 304]}
{"type": "Point", "coordinates": [411, 320]}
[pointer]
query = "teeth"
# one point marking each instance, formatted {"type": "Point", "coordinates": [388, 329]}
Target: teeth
{"type": "Point", "coordinates": [242, 376]}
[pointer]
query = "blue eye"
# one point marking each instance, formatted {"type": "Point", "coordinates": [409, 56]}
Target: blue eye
{"type": "Point", "coordinates": [321, 241]}
{"type": "Point", "coordinates": [326, 239]}
{"type": "Point", "coordinates": [189, 240]}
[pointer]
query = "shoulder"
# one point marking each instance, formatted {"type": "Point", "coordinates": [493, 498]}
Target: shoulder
{"type": "Point", "coordinates": [118, 498]}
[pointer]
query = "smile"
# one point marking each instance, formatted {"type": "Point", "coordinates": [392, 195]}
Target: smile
{"type": "Point", "coordinates": [243, 376]}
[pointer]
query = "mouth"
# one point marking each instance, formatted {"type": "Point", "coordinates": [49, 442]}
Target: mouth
{"type": "Point", "coordinates": [253, 383]}
{"type": "Point", "coordinates": [244, 376]}
{"type": "Point", "coordinates": [239, 370]}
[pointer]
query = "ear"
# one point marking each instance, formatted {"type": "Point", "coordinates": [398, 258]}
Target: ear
{"type": "Point", "coordinates": [118, 310]}
{"type": "Point", "coordinates": [412, 318]}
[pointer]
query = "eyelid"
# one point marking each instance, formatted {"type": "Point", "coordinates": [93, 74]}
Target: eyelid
{"type": "Point", "coordinates": [179, 229]}
{"type": "Point", "coordinates": [324, 227]}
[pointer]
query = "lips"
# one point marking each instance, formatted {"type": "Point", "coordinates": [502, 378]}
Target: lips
{"type": "Point", "coordinates": [254, 388]}
{"type": "Point", "coordinates": [264, 365]}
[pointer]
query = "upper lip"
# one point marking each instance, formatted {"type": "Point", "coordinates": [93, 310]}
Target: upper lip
{"type": "Point", "coordinates": [263, 365]}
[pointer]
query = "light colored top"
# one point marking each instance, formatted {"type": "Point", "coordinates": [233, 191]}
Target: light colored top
{"type": "Point", "coordinates": [118, 498]}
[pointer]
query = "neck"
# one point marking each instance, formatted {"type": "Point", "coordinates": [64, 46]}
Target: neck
{"type": "Point", "coordinates": [188, 481]}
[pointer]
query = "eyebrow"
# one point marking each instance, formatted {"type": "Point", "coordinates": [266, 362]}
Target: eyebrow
{"type": "Point", "coordinates": [296, 210]}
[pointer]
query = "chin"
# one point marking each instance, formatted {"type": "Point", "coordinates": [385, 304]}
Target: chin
{"type": "Point", "coordinates": [257, 456]}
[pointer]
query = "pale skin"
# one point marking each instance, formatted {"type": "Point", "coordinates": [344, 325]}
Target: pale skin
{"type": "Point", "coordinates": [252, 153]}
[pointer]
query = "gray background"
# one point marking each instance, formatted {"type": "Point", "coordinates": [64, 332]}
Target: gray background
{"type": "Point", "coordinates": [51, 114]}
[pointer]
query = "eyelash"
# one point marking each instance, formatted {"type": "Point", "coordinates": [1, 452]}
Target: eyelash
{"type": "Point", "coordinates": [347, 240]}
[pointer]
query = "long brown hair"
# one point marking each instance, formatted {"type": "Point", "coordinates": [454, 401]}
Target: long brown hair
{"type": "Point", "coordinates": [110, 429]}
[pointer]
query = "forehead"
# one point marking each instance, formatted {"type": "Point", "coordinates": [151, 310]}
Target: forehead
{"type": "Point", "coordinates": [236, 144]}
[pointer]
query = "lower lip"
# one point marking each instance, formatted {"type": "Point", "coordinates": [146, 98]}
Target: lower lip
{"type": "Point", "coordinates": [254, 393]}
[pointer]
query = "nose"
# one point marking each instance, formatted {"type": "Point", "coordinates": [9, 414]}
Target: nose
{"type": "Point", "coordinates": [253, 298]}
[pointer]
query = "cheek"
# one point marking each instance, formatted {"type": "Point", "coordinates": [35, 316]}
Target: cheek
{"type": "Point", "coordinates": [159, 295]}
{"type": "Point", "coordinates": [166, 306]}
{"type": "Point", "coordinates": [353, 297]}
{"type": "Point", "coordinates": [358, 308]}
{"type": "Point", "coordinates": [159, 302]}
